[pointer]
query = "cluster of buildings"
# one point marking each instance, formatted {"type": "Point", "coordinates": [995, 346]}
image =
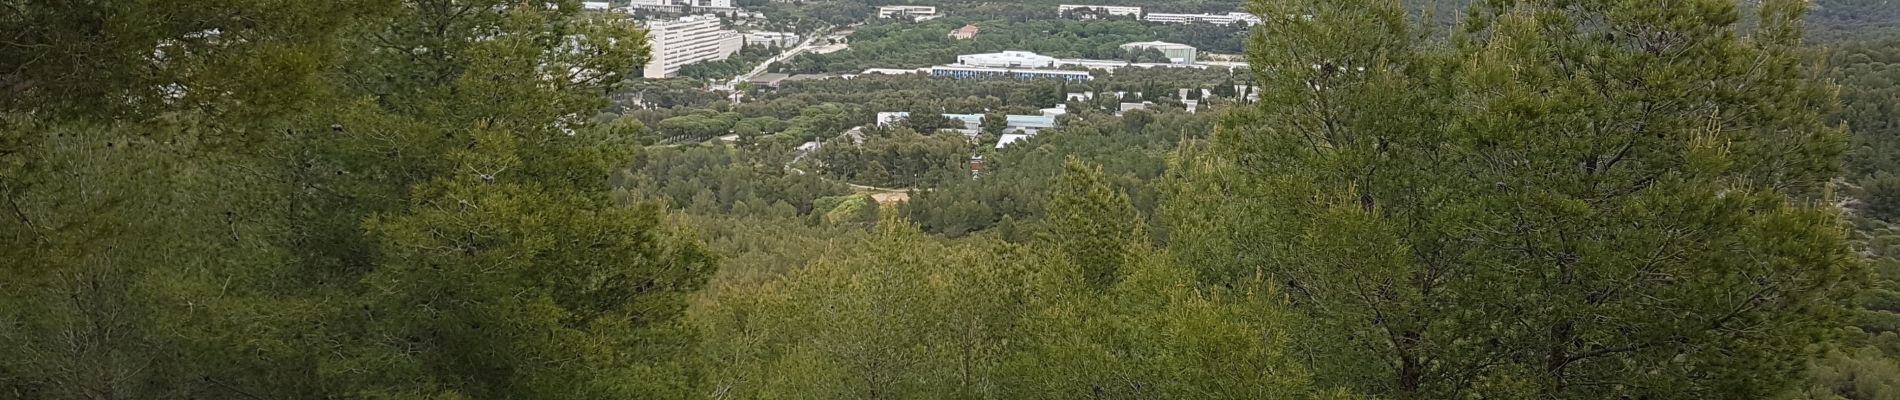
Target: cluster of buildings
{"type": "Point", "coordinates": [1027, 65]}
{"type": "Point", "coordinates": [1016, 127]}
{"type": "Point", "coordinates": [1084, 11]}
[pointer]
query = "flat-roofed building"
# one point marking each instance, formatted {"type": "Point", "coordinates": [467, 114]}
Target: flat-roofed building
{"type": "Point", "coordinates": [771, 39]}
{"type": "Point", "coordinates": [976, 72]}
{"type": "Point", "coordinates": [1008, 59]}
{"type": "Point", "coordinates": [1176, 52]}
{"type": "Point", "coordinates": [687, 40]}
{"type": "Point", "coordinates": [913, 13]}
{"type": "Point", "coordinates": [1216, 19]}
{"type": "Point", "coordinates": [1085, 11]}
{"type": "Point", "coordinates": [683, 3]}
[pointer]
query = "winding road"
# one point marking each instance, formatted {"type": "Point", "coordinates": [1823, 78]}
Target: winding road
{"type": "Point", "coordinates": [808, 45]}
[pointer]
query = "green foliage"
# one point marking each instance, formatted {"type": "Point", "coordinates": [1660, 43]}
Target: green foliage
{"type": "Point", "coordinates": [1866, 373]}
{"type": "Point", "coordinates": [994, 123]}
{"type": "Point", "coordinates": [739, 181]}
{"type": "Point", "coordinates": [337, 200]}
{"type": "Point", "coordinates": [1003, 322]}
{"type": "Point", "coordinates": [1541, 207]}
{"type": "Point", "coordinates": [895, 158]}
{"type": "Point", "coordinates": [1093, 223]}
{"type": "Point", "coordinates": [739, 63]}
{"type": "Point", "coordinates": [435, 199]}
{"type": "Point", "coordinates": [493, 271]}
{"type": "Point", "coordinates": [102, 59]}
{"type": "Point", "coordinates": [1016, 180]}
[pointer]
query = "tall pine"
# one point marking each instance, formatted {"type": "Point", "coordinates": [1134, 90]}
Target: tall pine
{"type": "Point", "coordinates": [1565, 199]}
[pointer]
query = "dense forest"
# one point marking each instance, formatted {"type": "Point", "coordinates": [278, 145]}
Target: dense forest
{"type": "Point", "coordinates": [472, 199]}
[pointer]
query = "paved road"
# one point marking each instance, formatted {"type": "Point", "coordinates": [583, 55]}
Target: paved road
{"type": "Point", "coordinates": [802, 48]}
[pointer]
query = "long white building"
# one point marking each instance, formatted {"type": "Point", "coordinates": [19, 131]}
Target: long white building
{"type": "Point", "coordinates": [691, 3]}
{"type": "Point", "coordinates": [1008, 59]}
{"type": "Point", "coordinates": [1113, 11]}
{"type": "Point", "coordinates": [1216, 19]}
{"type": "Point", "coordinates": [913, 13]}
{"type": "Point", "coordinates": [691, 39]}
{"type": "Point", "coordinates": [1031, 61]}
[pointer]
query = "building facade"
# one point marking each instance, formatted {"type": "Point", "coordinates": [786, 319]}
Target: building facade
{"type": "Point", "coordinates": [688, 40]}
{"type": "Point", "coordinates": [1008, 59]}
{"type": "Point", "coordinates": [771, 39]}
{"type": "Point", "coordinates": [684, 3]}
{"type": "Point", "coordinates": [913, 13]}
{"type": "Point", "coordinates": [1216, 19]}
{"type": "Point", "coordinates": [975, 72]}
{"type": "Point", "coordinates": [1176, 52]}
{"type": "Point", "coordinates": [1109, 11]}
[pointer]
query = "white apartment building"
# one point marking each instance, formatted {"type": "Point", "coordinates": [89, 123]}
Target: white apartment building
{"type": "Point", "coordinates": [1024, 59]}
{"type": "Point", "coordinates": [688, 40]}
{"type": "Point", "coordinates": [1008, 59]}
{"type": "Point", "coordinates": [914, 13]}
{"type": "Point", "coordinates": [1113, 11]}
{"type": "Point", "coordinates": [1217, 19]}
{"type": "Point", "coordinates": [677, 3]}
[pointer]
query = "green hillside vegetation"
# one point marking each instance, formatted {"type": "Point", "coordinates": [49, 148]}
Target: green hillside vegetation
{"type": "Point", "coordinates": [384, 199]}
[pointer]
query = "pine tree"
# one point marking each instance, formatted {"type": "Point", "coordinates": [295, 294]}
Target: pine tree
{"type": "Point", "coordinates": [1092, 223]}
{"type": "Point", "coordinates": [494, 270]}
{"type": "Point", "coordinates": [143, 225]}
{"type": "Point", "coordinates": [995, 123]}
{"type": "Point", "coordinates": [1226, 89]}
{"type": "Point", "coordinates": [1569, 199]}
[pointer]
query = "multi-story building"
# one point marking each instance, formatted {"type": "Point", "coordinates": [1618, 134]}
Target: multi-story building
{"type": "Point", "coordinates": [687, 40]}
{"type": "Point", "coordinates": [1008, 59]}
{"type": "Point", "coordinates": [771, 39]}
{"type": "Point", "coordinates": [1217, 19]}
{"type": "Point", "coordinates": [975, 72]}
{"type": "Point", "coordinates": [1098, 11]}
{"type": "Point", "coordinates": [913, 13]}
{"type": "Point", "coordinates": [1176, 52]}
{"type": "Point", "coordinates": [684, 3]}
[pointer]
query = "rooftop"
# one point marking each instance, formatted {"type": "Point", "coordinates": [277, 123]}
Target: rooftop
{"type": "Point", "coordinates": [1158, 45]}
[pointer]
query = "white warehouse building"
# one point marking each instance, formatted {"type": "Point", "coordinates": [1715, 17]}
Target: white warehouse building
{"type": "Point", "coordinates": [1216, 19]}
{"type": "Point", "coordinates": [688, 40]}
{"type": "Point", "coordinates": [1176, 52]}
